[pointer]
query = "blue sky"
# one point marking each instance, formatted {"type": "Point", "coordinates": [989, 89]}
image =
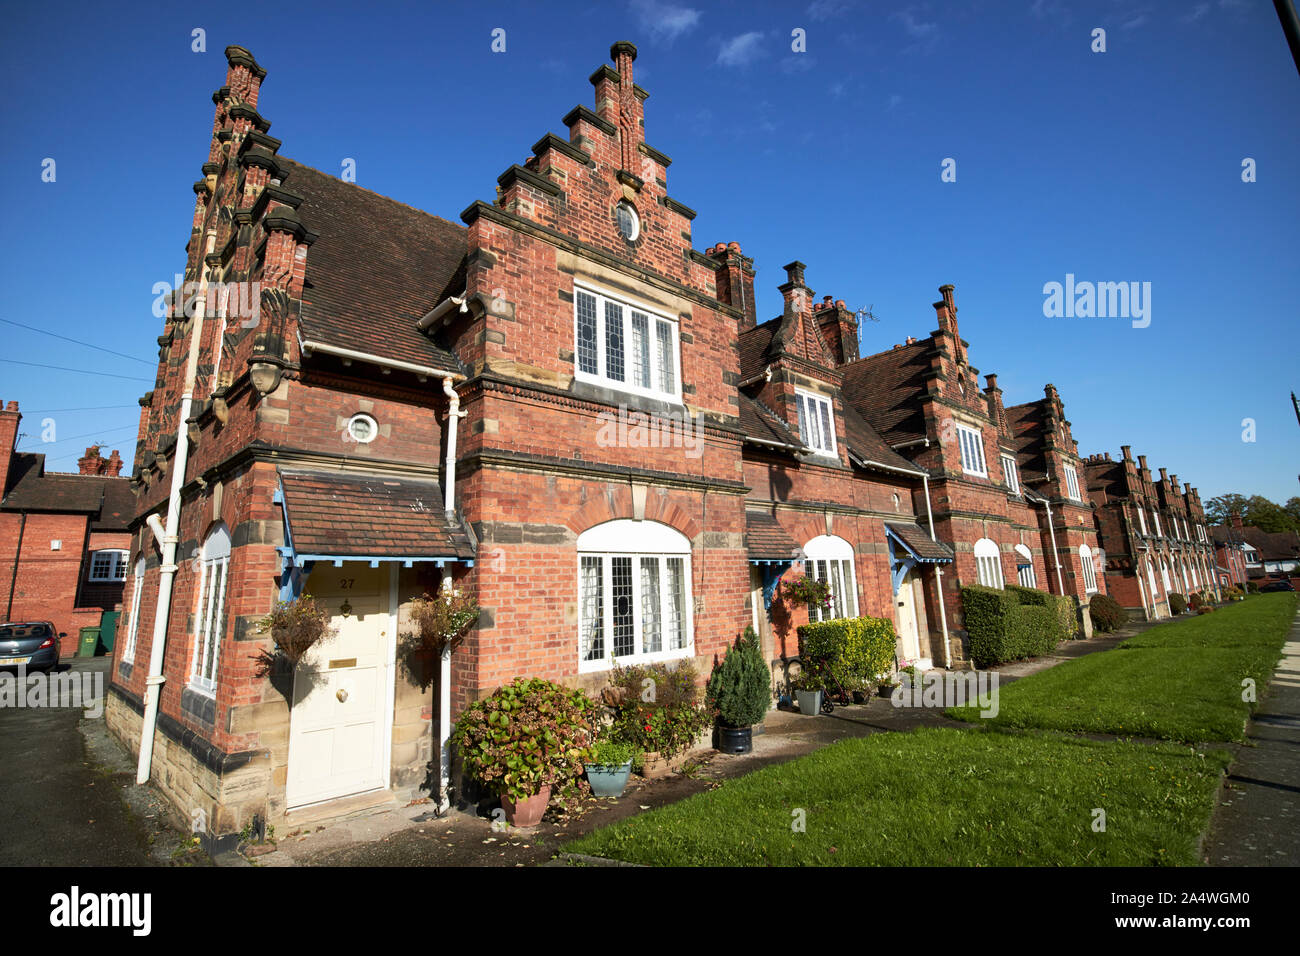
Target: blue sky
{"type": "Point", "coordinates": [1117, 166]}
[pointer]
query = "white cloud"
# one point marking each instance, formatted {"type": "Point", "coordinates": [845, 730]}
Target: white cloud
{"type": "Point", "coordinates": [741, 50]}
{"type": "Point", "coordinates": [664, 21]}
{"type": "Point", "coordinates": [826, 9]}
{"type": "Point", "coordinates": [916, 28]}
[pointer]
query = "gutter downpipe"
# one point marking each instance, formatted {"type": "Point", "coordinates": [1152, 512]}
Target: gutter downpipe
{"type": "Point", "coordinates": [1060, 585]}
{"type": "Point", "coordinates": [169, 535]}
{"type": "Point", "coordinates": [938, 580]}
{"type": "Point", "coordinates": [938, 573]}
{"type": "Point", "coordinates": [13, 581]}
{"type": "Point", "coordinates": [454, 414]}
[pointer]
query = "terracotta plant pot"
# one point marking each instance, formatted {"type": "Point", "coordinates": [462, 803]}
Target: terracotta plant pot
{"type": "Point", "coordinates": [527, 812]}
{"type": "Point", "coordinates": [654, 765]}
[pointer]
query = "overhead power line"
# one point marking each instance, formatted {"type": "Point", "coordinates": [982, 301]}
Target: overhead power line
{"type": "Point", "coordinates": [84, 408]}
{"type": "Point", "coordinates": [100, 432]}
{"type": "Point", "coordinates": [80, 371]}
{"type": "Point", "coordinates": [89, 345]}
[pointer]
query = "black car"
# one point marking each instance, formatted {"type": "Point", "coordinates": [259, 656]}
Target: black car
{"type": "Point", "coordinates": [31, 644]}
{"type": "Point", "coordinates": [1276, 586]}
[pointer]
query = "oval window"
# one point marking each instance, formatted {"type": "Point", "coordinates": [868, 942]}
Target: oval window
{"type": "Point", "coordinates": [629, 223]}
{"type": "Point", "coordinates": [362, 428]}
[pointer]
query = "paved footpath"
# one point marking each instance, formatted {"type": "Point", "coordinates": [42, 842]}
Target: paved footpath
{"type": "Point", "coordinates": [1257, 821]}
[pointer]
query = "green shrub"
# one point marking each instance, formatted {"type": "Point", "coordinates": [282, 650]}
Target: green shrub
{"type": "Point", "coordinates": [985, 613]}
{"type": "Point", "coordinates": [1251, 588]}
{"type": "Point", "coordinates": [852, 650]}
{"type": "Point", "coordinates": [1032, 631]}
{"type": "Point", "coordinates": [657, 707]}
{"type": "Point", "coordinates": [527, 735]}
{"type": "Point", "coordinates": [1062, 607]}
{"type": "Point", "coordinates": [740, 688]}
{"type": "Point", "coordinates": [1107, 615]}
{"type": "Point", "coordinates": [611, 753]}
{"type": "Point", "coordinates": [1177, 603]}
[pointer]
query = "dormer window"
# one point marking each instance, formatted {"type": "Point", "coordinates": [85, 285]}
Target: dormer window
{"type": "Point", "coordinates": [816, 422]}
{"type": "Point", "coordinates": [972, 451]}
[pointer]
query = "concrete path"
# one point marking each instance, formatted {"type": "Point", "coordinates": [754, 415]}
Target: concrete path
{"type": "Point", "coordinates": [1257, 820]}
{"type": "Point", "coordinates": [64, 784]}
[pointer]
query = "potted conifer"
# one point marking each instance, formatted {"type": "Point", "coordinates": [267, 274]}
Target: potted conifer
{"type": "Point", "coordinates": [738, 693]}
{"type": "Point", "coordinates": [808, 686]}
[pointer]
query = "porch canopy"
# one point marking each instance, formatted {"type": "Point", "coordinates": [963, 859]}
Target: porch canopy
{"type": "Point", "coordinates": [919, 546]}
{"type": "Point", "coordinates": [770, 548]}
{"type": "Point", "coordinates": [373, 518]}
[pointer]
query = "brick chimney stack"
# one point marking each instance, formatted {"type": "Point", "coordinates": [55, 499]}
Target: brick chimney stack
{"type": "Point", "coordinates": [1234, 518]}
{"type": "Point", "coordinates": [735, 281]}
{"type": "Point", "coordinates": [10, 418]}
{"type": "Point", "coordinates": [839, 329]}
{"type": "Point", "coordinates": [631, 112]}
{"type": "Point", "coordinates": [994, 396]}
{"type": "Point", "coordinates": [1128, 452]}
{"type": "Point", "coordinates": [797, 295]}
{"type": "Point", "coordinates": [94, 463]}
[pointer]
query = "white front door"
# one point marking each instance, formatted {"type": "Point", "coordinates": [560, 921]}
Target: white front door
{"type": "Point", "coordinates": [338, 725]}
{"type": "Point", "coordinates": [908, 629]}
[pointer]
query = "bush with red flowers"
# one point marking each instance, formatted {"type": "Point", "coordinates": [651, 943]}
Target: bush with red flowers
{"type": "Point", "coordinates": [657, 707]}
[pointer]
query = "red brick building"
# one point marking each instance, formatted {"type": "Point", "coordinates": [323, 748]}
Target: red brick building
{"type": "Point", "coordinates": [1153, 533]}
{"type": "Point", "coordinates": [64, 538]}
{"type": "Point", "coordinates": [1248, 553]}
{"type": "Point", "coordinates": [560, 404]}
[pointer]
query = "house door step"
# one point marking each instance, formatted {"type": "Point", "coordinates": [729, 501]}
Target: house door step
{"type": "Point", "coordinates": [362, 804]}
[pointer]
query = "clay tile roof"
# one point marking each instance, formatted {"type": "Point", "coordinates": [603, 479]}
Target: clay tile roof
{"type": "Point", "coordinates": [922, 546]}
{"type": "Point", "coordinates": [866, 444]}
{"type": "Point", "coordinates": [755, 344]}
{"type": "Point", "coordinates": [886, 389]}
{"type": "Point", "coordinates": [761, 424]}
{"type": "Point", "coordinates": [766, 540]}
{"type": "Point", "coordinates": [370, 516]}
{"type": "Point", "coordinates": [376, 267]}
{"type": "Point", "coordinates": [108, 501]}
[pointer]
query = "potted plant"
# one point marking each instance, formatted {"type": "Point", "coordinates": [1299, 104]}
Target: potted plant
{"type": "Point", "coordinates": [738, 693]}
{"type": "Point", "coordinates": [524, 739]}
{"type": "Point", "coordinates": [809, 685]}
{"type": "Point", "coordinates": [438, 622]}
{"type": "Point", "coordinates": [808, 591]}
{"type": "Point", "coordinates": [887, 683]}
{"type": "Point", "coordinates": [295, 627]}
{"type": "Point", "coordinates": [657, 709]}
{"type": "Point", "coordinates": [609, 767]}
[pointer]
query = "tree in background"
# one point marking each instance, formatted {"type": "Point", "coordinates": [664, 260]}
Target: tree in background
{"type": "Point", "coordinates": [1257, 511]}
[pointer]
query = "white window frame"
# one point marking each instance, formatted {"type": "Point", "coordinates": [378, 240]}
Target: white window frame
{"type": "Point", "coordinates": [1026, 575]}
{"type": "Point", "coordinates": [1012, 473]}
{"type": "Point", "coordinates": [370, 421]}
{"type": "Point", "coordinates": [815, 435]}
{"type": "Point", "coordinates": [133, 626]}
{"type": "Point", "coordinates": [639, 541]}
{"type": "Point", "coordinates": [1142, 519]}
{"type": "Point", "coordinates": [970, 441]}
{"type": "Point", "coordinates": [1072, 483]}
{"type": "Point", "coordinates": [988, 564]}
{"type": "Point", "coordinates": [655, 364]}
{"type": "Point", "coordinates": [1164, 576]}
{"type": "Point", "coordinates": [1089, 572]}
{"type": "Point", "coordinates": [117, 561]}
{"type": "Point", "coordinates": [1159, 531]}
{"type": "Point", "coordinates": [210, 612]}
{"type": "Point", "coordinates": [830, 558]}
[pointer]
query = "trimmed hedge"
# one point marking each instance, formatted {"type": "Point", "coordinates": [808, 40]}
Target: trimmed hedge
{"type": "Point", "coordinates": [1063, 607]}
{"type": "Point", "coordinates": [854, 649]}
{"type": "Point", "coordinates": [1107, 614]}
{"type": "Point", "coordinates": [1012, 624]}
{"type": "Point", "coordinates": [1177, 603]}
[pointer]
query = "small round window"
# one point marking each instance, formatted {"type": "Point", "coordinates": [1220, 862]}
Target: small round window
{"type": "Point", "coordinates": [362, 428]}
{"type": "Point", "coordinates": [629, 223]}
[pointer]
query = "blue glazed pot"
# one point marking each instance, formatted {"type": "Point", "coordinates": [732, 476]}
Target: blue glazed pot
{"type": "Point", "coordinates": [608, 780]}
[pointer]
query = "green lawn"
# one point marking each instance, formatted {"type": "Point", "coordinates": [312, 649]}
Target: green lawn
{"type": "Point", "coordinates": [939, 797]}
{"type": "Point", "coordinates": [1179, 681]}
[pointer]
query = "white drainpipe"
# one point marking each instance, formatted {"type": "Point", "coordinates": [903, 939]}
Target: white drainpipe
{"type": "Point", "coordinates": [1060, 585]}
{"type": "Point", "coordinates": [167, 536]}
{"type": "Point", "coordinates": [454, 414]}
{"type": "Point", "coordinates": [938, 579]}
